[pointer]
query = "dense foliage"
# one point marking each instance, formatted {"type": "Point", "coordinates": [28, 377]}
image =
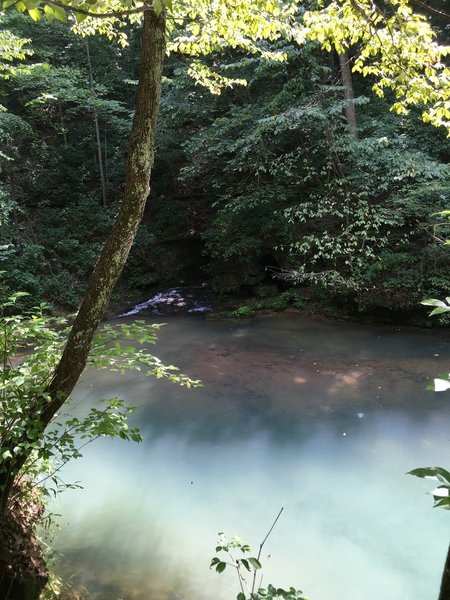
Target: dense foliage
{"type": "Point", "coordinates": [52, 216]}
{"type": "Point", "coordinates": [262, 181]}
{"type": "Point", "coordinates": [271, 181]}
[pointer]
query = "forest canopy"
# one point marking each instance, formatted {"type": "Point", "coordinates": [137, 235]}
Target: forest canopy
{"type": "Point", "coordinates": [296, 194]}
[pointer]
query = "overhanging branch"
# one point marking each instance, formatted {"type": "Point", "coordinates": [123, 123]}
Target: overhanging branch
{"type": "Point", "coordinates": [119, 13]}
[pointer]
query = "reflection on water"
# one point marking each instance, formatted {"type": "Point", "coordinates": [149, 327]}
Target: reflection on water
{"type": "Point", "coordinates": [321, 418]}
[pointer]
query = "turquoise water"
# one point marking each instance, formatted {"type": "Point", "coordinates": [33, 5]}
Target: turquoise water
{"type": "Point", "coordinates": [320, 418]}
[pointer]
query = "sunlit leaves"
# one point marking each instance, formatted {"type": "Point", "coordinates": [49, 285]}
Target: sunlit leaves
{"type": "Point", "coordinates": [78, 14]}
{"type": "Point", "coordinates": [202, 28]}
{"type": "Point", "coordinates": [210, 79]}
{"type": "Point", "coordinates": [400, 50]}
{"type": "Point", "coordinates": [194, 27]}
{"type": "Point", "coordinates": [441, 307]}
{"type": "Point", "coordinates": [12, 48]}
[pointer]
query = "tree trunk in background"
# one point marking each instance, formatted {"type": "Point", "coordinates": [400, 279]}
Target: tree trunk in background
{"type": "Point", "coordinates": [346, 76]}
{"type": "Point", "coordinates": [445, 583]}
{"type": "Point", "coordinates": [115, 251]}
{"type": "Point", "coordinates": [97, 129]}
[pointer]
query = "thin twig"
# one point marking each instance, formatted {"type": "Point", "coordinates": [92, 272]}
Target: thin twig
{"type": "Point", "coordinates": [261, 547]}
{"type": "Point", "coordinates": [270, 531]}
{"type": "Point", "coordinates": [431, 9]}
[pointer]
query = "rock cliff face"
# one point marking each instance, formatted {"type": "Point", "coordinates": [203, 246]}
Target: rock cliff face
{"type": "Point", "coordinates": [23, 573]}
{"type": "Point", "coordinates": [183, 260]}
{"type": "Point", "coordinates": [232, 274]}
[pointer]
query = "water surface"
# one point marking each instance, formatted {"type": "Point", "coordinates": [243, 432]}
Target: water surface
{"type": "Point", "coordinates": [321, 418]}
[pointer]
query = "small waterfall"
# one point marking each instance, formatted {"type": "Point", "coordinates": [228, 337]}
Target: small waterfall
{"type": "Point", "coordinates": [188, 299]}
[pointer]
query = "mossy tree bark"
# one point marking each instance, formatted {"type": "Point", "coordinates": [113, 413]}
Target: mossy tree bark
{"type": "Point", "coordinates": [115, 251]}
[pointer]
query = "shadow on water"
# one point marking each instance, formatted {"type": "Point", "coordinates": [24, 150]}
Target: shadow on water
{"type": "Point", "coordinates": [321, 418]}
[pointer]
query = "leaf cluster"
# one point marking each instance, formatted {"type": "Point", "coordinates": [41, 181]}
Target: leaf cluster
{"type": "Point", "coordinates": [441, 494]}
{"type": "Point", "coordinates": [250, 565]}
{"type": "Point", "coordinates": [395, 45]}
{"type": "Point", "coordinates": [30, 348]}
{"type": "Point", "coordinates": [282, 181]}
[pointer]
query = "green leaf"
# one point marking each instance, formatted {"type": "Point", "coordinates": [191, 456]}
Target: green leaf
{"type": "Point", "coordinates": [255, 563]}
{"type": "Point", "coordinates": [240, 596]}
{"type": "Point", "coordinates": [443, 503]}
{"type": "Point", "coordinates": [158, 6]}
{"type": "Point", "coordinates": [432, 473]}
{"type": "Point", "coordinates": [433, 302]}
{"type": "Point", "coordinates": [16, 295]}
{"type": "Point", "coordinates": [439, 310]}
{"type": "Point", "coordinates": [80, 17]}
{"type": "Point", "coordinates": [244, 561]}
{"type": "Point", "coordinates": [221, 567]}
{"type": "Point", "coordinates": [441, 307]}
{"type": "Point", "coordinates": [48, 10]}
{"type": "Point", "coordinates": [35, 14]}
{"type": "Point", "coordinates": [60, 13]}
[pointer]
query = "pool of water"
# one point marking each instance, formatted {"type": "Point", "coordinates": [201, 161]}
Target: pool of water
{"type": "Point", "coordinates": [321, 418]}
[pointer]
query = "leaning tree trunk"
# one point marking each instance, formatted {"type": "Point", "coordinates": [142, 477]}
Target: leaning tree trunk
{"type": "Point", "coordinates": [445, 582]}
{"type": "Point", "coordinates": [115, 251]}
{"type": "Point", "coordinates": [117, 247]}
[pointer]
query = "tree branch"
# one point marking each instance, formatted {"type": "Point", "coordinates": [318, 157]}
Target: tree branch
{"type": "Point", "coordinates": [431, 9]}
{"type": "Point", "coordinates": [95, 15]}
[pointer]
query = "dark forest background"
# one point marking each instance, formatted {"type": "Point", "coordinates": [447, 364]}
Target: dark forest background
{"type": "Point", "coordinates": [264, 191]}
